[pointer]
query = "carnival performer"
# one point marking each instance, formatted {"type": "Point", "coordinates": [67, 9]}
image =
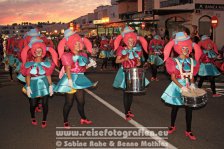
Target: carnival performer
{"type": "Point", "coordinates": [38, 76]}
{"type": "Point", "coordinates": [115, 66]}
{"type": "Point", "coordinates": [181, 70]}
{"type": "Point", "coordinates": [156, 46]}
{"type": "Point", "coordinates": [11, 52]}
{"type": "Point", "coordinates": [24, 42]}
{"type": "Point", "coordinates": [72, 78]}
{"type": "Point", "coordinates": [207, 66]}
{"type": "Point", "coordinates": [129, 57]}
{"type": "Point", "coordinates": [104, 52]}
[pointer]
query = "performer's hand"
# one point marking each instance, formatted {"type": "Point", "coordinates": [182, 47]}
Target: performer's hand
{"type": "Point", "coordinates": [92, 63]}
{"type": "Point", "coordinates": [192, 86]}
{"type": "Point", "coordinates": [146, 65]}
{"type": "Point", "coordinates": [138, 62]}
{"type": "Point", "coordinates": [125, 59]}
{"type": "Point", "coordinates": [28, 91]}
{"type": "Point", "coordinates": [184, 89]}
{"type": "Point", "coordinates": [70, 84]}
{"type": "Point", "coordinates": [51, 90]}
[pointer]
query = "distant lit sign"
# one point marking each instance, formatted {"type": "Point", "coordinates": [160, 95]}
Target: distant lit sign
{"type": "Point", "coordinates": [219, 7]}
{"type": "Point", "coordinates": [214, 21]}
{"type": "Point", "coordinates": [102, 21]}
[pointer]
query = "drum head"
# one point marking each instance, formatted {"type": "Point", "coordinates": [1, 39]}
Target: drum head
{"type": "Point", "coordinates": [194, 93]}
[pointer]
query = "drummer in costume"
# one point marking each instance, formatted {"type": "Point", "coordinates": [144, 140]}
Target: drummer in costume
{"type": "Point", "coordinates": [105, 52]}
{"type": "Point", "coordinates": [72, 77]}
{"type": "Point", "coordinates": [129, 57]}
{"type": "Point", "coordinates": [38, 76]}
{"type": "Point", "coordinates": [156, 46]}
{"type": "Point", "coordinates": [182, 69]}
{"type": "Point", "coordinates": [207, 67]}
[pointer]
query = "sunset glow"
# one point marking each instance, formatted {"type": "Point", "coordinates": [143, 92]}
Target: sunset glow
{"type": "Point", "coordinates": [17, 11]}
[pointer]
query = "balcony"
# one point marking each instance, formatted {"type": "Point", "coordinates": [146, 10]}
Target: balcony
{"type": "Point", "coordinates": [170, 3]}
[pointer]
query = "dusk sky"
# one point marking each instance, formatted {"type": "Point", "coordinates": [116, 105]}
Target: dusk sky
{"type": "Point", "coordinates": [17, 11]}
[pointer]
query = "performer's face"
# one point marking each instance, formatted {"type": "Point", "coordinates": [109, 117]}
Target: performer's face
{"type": "Point", "coordinates": [77, 47]}
{"type": "Point", "coordinates": [185, 51]}
{"type": "Point", "coordinates": [38, 52]}
{"type": "Point", "coordinates": [131, 42]}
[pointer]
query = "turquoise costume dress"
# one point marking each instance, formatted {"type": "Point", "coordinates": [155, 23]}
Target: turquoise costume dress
{"type": "Point", "coordinates": [133, 55]}
{"type": "Point", "coordinates": [172, 94]}
{"type": "Point", "coordinates": [38, 83]}
{"type": "Point", "coordinates": [155, 58]}
{"type": "Point", "coordinates": [11, 60]}
{"type": "Point", "coordinates": [207, 68]}
{"type": "Point", "coordinates": [78, 67]}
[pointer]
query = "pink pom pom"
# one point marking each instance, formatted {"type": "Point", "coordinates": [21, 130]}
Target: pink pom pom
{"type": "Point", "coordinates": [50, 70]}
{"type": "Point", "coordinates": [119, 51]}
{"type": "Point", "coordinates": [171, 66]}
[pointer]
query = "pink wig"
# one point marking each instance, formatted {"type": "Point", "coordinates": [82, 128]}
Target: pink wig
{"type": "Point", "coordinates": [54, 55]}
{"type": "Point", "coordinates": [33, 48]}
{"type": "Point", "coordinates": [178, 48]}
{"type": "Point", "coordinates": [156, 42]}
{"type": "Point", "coordinates": [134, 37]}
{"type": "Point", "coordinates": [71, 44]}
{"type": "Point", "coordinates": [204, 44]}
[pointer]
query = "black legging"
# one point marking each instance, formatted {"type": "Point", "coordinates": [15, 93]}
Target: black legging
{"type": "Point", "coordinates": [127, 99]}
{"type": "Point", "coordinates": [69, 99]}
{"type": "Point", "coordinates": [188, 117]}
{"type": "Point", "coordinates": [212, 83]}
{"type": "Point", "coordinates": [34, 103]}
{"type": "Point", "coordinates": [104, 63]}
{"type": "Point", "coordinates": [10, 72]}
{"type": "Point", "coordinates": [154, 70]}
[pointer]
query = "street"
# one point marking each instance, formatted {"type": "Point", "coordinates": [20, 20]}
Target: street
{"type": "Point", "coordinates": [104, 105]}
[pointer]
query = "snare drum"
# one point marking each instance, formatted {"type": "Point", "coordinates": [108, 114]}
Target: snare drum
{"type": "Point", "coordinates": [135, 80]}
{"type": "Point", "coordinates": [195, 98]}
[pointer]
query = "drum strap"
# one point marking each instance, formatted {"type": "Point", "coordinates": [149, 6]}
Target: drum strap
{"type": "Point", "coordinates": [189, 74]}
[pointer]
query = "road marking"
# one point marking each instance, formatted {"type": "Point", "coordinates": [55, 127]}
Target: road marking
{"type": "Point", "coordinates": [121, 114]}
{"type": "Point", "coordinates": [133, 122]}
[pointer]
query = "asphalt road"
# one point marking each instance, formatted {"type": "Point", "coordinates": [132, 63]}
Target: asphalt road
{"type": "Point", "coordinates": [17, 131]}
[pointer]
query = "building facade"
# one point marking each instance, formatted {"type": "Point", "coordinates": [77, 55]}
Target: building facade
{"type": "Point", "coordinates": [193, 14]}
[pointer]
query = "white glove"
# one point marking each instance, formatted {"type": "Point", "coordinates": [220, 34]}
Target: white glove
{"type": "Point", "coordinates": [92, 63]}
{"type": "Point", "coordinates": [70, 84]}
{"type": "Point", "coordinates": [28, 91]}
{"type": "Point", "coordinates": [184, 89]}
{"type": "Point", "coordinates": [51, 90]}
{"type": "Point", "coordinates": [192, 86]}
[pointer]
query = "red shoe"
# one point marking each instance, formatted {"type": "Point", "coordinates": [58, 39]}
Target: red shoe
{"type": "Point", "coordinates": [171, 129]}
{"type": "Point", "coordinates": [37, 109]}
{"type": "Point", "coordinates": [153, 79]}
{"type": "Point", "coordinates": [190, 135]}
{"type": "Point", "coordinates": [216, 95]}
{"type": "Point", "coordinates": [66, 125]}
{"type": "Point", "coordinates": [85, 121]}
{"type": "Point", "coordinates": [128, 117]}
{"type": "Point", "coordinates": [44, 124]}
{"type": "Point", "coordinates": [131, 114]}
{"type": "Point", "coordinates": [34, 121]}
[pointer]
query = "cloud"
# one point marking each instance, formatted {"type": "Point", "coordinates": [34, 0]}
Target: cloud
{"type": "Point", "coordinates": [12, 11]}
